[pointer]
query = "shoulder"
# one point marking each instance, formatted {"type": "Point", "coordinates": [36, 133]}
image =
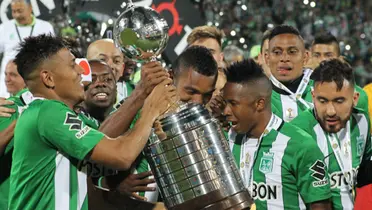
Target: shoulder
{"type": "Point", "coordinates": [304, 120]}
{"type": "Point", "coordinates": [298, 138]}
{"type": "Point", "coordinates": [42, 22]}
{"type": "Point", "coordinates": [7, 23]}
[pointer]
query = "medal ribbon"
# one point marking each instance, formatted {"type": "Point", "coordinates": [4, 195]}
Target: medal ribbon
{"type": "Point", "coordinates": [300, 90]}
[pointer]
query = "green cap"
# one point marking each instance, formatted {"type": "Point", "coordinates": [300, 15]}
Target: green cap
{"type": "Point", "coordinates": [255, 51]}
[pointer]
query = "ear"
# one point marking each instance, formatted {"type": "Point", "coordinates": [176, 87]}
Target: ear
{"type": "Point", "coordinates": [221, 56]}
{"type": "Point", "coordinates": [355, 98]}
{"type": "Point", "coordinates": [306, 57]}
{"type": "Point", "coordinates": [266, 58]}
{"type": "Point", "coordinates": [261, 104]}
{"type": "Point", "coordinates": [47, 79]}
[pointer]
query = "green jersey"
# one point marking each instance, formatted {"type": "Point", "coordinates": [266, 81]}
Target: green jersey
{"type": "Point", "coordinates": [354, 143]}
{"type": "Point", "coordinates": [283, 169]}
{"type": "Point", "coordinates": [289, 105]}
{"type": "Point", "coordinates": [6, 158]}
{"type": "Point", "coordinates": [50, 142]}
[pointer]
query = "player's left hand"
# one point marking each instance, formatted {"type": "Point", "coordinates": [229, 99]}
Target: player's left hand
{"type": "Point", "coordinates": [5, 112]}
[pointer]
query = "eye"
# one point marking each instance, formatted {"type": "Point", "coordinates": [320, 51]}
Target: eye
{"type": "Point", "coordinates": [292, 52]}
{"type": "Point", "coordinates": [322, 101]}
{"type": "Point", "coordinates": [340, 101]}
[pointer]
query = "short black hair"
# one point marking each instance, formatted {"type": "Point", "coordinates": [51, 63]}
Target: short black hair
{"type": "Point", "coordinates": [326, 38]}
{"type": "Point", "coordinates": [199, 58]}
{"type": "Point", "coordinates": [284, 29]}
{"type": "Point", "coordinates": [333, 70]}
{"type": "Point", "coordinates": [244, 72]}
{"type": "Point", "coordinates": [74, 47]}
{"type": "Point", "coordinates": [34, 50]}
{"type": "Point", "coordinates": [266, 36]}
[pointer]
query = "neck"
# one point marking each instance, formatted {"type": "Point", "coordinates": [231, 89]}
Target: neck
{"type": "Point", "coordinates": [291, 85]}
{"type": "Point", "coordinates": [261, 126]}
{"type": "Point", "coordinates": [97, 113]}
{"type": "Point", "coordinates": [53, 96]}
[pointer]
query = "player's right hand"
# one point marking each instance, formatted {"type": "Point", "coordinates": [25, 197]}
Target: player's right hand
{"type": "Point", "coordinates": [134, 183]}
{"type": "Point", "coordinates": [152, 74]}
{"type": "Point", "coordinates": [161, 98]}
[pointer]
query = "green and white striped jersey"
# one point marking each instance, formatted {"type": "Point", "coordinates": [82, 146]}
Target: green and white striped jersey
{"type": "Point", "coordinates": [50, 140]}
{"type": "Point", "coordinates": [357, 132]}
{"type": "Point", "coordinates": [283, 169]}
{"type": "Point", "coordinates": [289, 106]}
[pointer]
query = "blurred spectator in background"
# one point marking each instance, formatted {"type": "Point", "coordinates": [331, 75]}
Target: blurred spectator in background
{"type": "Point", "coordinates": [255, 52]}
{"type": "Point", "coordinates": [13, 81]}
{"type": "Point", "coordinates": [12, 32]}
{"type": "Point", "coordinates": [233, 54]}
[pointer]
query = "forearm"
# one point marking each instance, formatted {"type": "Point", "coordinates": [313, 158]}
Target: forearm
{"type": "Point", "coordinates": [5, 138]}
{"type": "Point", "coordinates": [132, 144]}
{"type": "Point", "coordinates": [120, 121]}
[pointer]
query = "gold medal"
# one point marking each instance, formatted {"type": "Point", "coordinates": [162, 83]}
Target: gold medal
{"type": "Point", "coordinates": [334, 146]}
{"type": "Point", "coordinates": [242, 165]}
{"type": "Point", "coordinates": [298, 96]}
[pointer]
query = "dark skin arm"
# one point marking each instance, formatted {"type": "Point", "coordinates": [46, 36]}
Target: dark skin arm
{"type": "Point", "coordinates": [321, 205]}
{"type": "Point", "coordinates": [152, 74]}
{"type": "Point", "coordinates": [5, 137]}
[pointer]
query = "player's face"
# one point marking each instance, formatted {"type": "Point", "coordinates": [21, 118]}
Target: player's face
{"type": "Point", "coordinates": [130, 67]}
{"type": "Point", "coordinates": [67, 77]}
{"type": "Point", "coordinates": [322, 52]}
{"type": "Point", "coordinates": [213, 47]}
{"type": "Point", "coordinates": [13, 81]}
{"type": "Point", "coordinates": [333, 107]}
{"type": "Point", "coordinates": [194, 87]}
{"type": "Point", "coordinates": [240, 107]}
{"type": "Point", "coordinates": [21, 12]}
{"type": "Point", "coordinates": [102, 91]}
{"type": "Point", "coordinates": [286, 57]}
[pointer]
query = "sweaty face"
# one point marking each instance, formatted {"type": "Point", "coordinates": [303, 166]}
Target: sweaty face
{"type": "Point", "coordinates": [213, 47]}
{"type": "Point", "coordinates": [21, 12]}
{"type": "Point", "coordinates": [194, 87]}
{"type": "Point", "coordinates": [333, 108]}
{"type": "Point", "coordinates": [322, 52]}
{"type": "Point", "coordinates": [67, 77]}
{"type": "Point", "coordinates": [286, 57]}
{"type": "Point", "coordinates": [108, 53]}
{"type": "Point", "coordinates": [13, 81]}
{"type": "Point", "coordinates": [240, 108]}
{"type": "Point", "coordinates": [102, 91]}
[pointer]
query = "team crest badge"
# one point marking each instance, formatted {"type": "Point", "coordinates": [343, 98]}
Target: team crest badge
{"type": "Point", "coordinates": [360, 145]}
{"type": "Point", "coordinates": [267, 162]}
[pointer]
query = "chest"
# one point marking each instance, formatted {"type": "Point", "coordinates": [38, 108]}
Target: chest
{"type": "Point", "coordinates": [287, 107]}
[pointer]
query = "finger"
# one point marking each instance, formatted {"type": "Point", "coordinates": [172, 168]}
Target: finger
{"type": "Point", "coordinates": [136, 196]}
{"type": "Point", "coordinates": [151, 64]}
{"type": "Point", "coordinates": [3, 114]}
{"type": "Point", "coordinates": [143, 175]}
{"type": "Point", "coordinates": [144, 189]}
{"type": "Point", "coordinates": [156, 75]}
{"type": "Point", "coordinates": [5, 102]}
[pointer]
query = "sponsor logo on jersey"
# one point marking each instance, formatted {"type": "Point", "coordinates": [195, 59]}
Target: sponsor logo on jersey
{"type": "Point", "coordinates": [95, 170]}
{"type": "Point", "coordinates": [263, 191]}
{"type": "Point", "coordinates": [267, 161]}
{"type": "Point", "coordinates": [73, 121]}
{"type": "Point", "coordinates": [338, 178]}
{"type": "Point", "coordinates": [82, 132]}
{"type": "Point", "coordinates": [319, 174]}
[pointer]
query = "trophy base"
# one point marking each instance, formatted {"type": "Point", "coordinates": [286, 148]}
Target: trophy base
{"type": "Point", "coordinates": [216, 201]}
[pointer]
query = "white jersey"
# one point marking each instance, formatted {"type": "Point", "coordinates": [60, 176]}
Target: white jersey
{"type": "Point", "coordinates": [10, 37]}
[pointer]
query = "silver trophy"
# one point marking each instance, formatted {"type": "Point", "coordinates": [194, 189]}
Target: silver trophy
{"type": "Point", "coordinates": [187, 151]}
{"type": "Point", "coordinates": [141, 33]}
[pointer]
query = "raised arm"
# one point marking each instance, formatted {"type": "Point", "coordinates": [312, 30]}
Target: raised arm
{"type": "Point", "coordinates": [122, 153]}
{"type": "Point", "coordinates": [118, 123]}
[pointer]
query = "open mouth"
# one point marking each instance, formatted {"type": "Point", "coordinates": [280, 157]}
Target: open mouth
{"type": "Point", "coordinates": [100, 96]}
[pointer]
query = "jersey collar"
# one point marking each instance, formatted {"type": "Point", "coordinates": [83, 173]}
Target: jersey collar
{"type": "Point", "coordinates": [32, 23]}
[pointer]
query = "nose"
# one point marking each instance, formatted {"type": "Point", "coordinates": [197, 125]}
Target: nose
{"type": "Point", "coordinates": [198, 99]}
{"type": "Point", "coordinates": [227, 110]}
{"type": "Point", "coordinates": [331, 111]}
{"type": "Point", "coordinates": [284, 57]}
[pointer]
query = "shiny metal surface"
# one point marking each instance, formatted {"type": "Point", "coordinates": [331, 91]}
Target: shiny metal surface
{"type": "Point", "coordinates": [140, 32]}
{"type": "Point", "coordinates": [191, 158]}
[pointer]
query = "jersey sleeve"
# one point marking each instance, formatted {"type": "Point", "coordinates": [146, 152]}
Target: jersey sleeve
{"type": "Point", "coordinates": [311, 172]}
{"type": "Point", "coordinates": [61, 128]}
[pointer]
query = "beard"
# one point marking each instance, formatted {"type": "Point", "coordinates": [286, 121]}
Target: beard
{"type": "Point", "coordinates": [333, 128]}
